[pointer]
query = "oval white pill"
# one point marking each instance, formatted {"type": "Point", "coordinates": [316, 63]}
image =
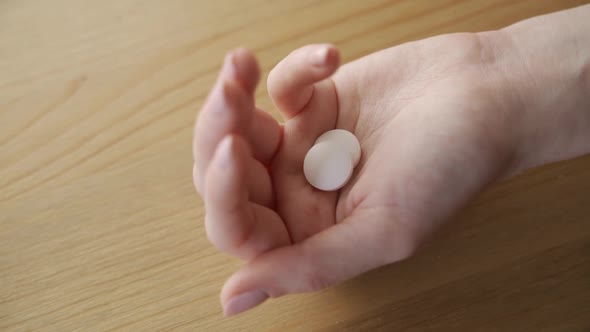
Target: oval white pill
{"type": "Point", "coordinates": [346, 139]}
{"type": "Point", "coordinates": [327, 166]}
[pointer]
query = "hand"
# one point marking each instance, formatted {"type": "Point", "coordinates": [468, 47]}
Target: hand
{"type": "Point", "coordinates": [433, 129]}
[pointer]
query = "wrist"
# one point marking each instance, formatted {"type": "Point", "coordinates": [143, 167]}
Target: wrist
{"type": "Point", "coordinates": [542, 68]}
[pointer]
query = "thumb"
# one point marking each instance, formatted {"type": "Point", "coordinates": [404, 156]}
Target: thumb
{"type": "Point", "coordinates": [366, 240]}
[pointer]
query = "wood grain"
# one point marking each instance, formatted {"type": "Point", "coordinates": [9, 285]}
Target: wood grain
{"type": "Point", "coordinates": [100, 228]}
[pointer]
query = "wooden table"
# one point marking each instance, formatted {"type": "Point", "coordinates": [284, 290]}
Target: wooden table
{"type": "Point", "coordinates": [100, 228]}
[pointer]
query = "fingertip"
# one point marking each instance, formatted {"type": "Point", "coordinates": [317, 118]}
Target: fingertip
{"type": "Point", "coordinates": [243, 302]}
{"type": "Point", "coordinates": [291, 82]}
{"type": "Point", "coordinates": [320, 56]}
{"type": "Point", "coordinates": [276, 272]}
{"type": "Point", "coordinates": [245, 68]}
{"type": "Point", "coordinates": [333, 57]}
{"type": "Point", "coordinates": [326, 56]}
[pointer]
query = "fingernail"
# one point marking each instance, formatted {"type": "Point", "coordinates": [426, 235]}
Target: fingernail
{"type": "Point", "coordinates": [243, 302]}
{"type": "Point", "coordinates": [320, 57]}
{"type": "Point", "coordinates": [229, 66]}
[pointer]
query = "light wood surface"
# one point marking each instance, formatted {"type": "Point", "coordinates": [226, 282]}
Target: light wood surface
{"type": "Point", "coordinates": [100, 228]}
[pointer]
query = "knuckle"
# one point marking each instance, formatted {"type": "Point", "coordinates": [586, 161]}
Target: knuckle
{"type": "Point", "coordinates": [315, 281]}
{"type": "Point", "coordinates": [315, 275]}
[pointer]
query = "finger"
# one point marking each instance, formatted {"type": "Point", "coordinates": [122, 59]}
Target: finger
{"type": "Point", "coordinates": [265, 132]}
{"type": "Point", "coordinates": [291, 82]}
{"type": "Point", "coordinates": [243, 68]}
{"type": "Point", "coordinates": [233, 223]}
{"type": "Point", "coordinates": [319, 116]}
{"type": "Point", "coordinates": [365, 241]}
{"type": "Point", "coordinates": [229, 108]}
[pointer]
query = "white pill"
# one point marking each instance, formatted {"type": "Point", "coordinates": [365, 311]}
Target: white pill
{"type": "Point", "coordinates": [327, 165]}
{"type": "Point", "coordinates": [346, 139]}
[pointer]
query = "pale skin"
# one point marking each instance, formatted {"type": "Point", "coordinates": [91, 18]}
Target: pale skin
{"type": "Point", "coordinates": [438, 121]}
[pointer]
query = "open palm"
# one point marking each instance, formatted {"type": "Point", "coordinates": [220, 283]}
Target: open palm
{"type": "Point", "coordinates": [426, 118]}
